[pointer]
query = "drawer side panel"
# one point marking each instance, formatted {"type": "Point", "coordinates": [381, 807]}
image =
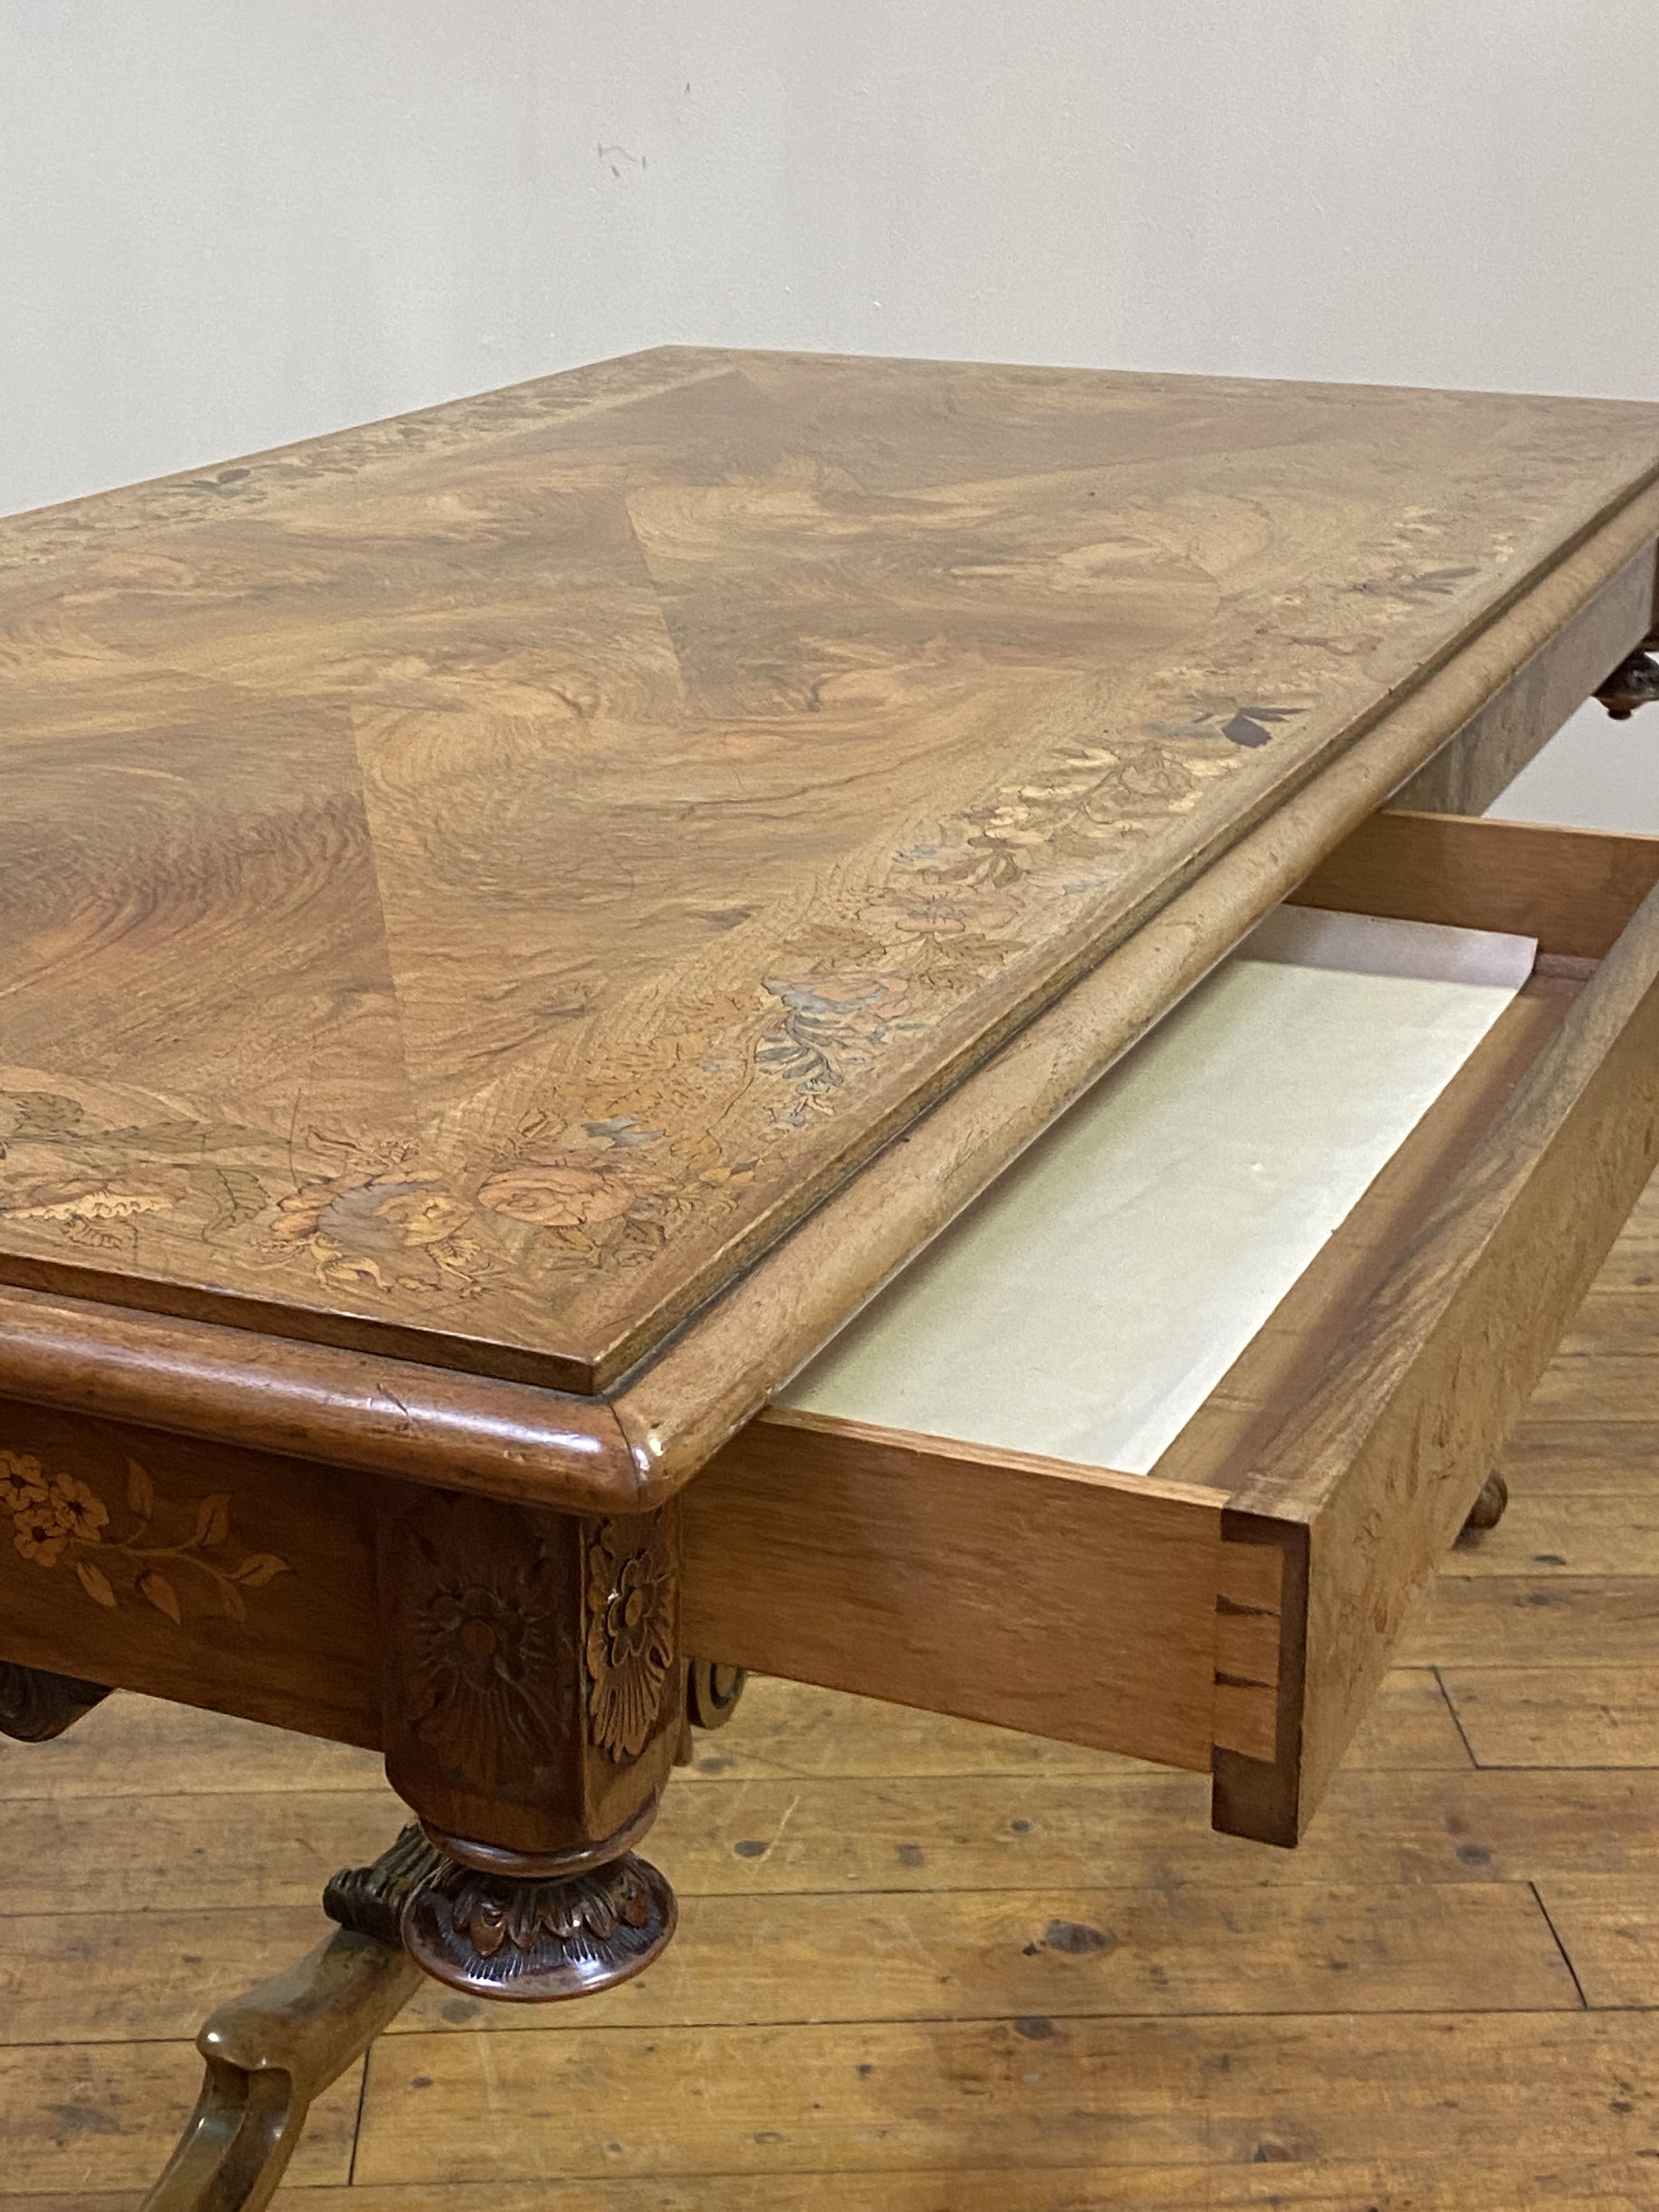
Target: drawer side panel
{"type": "Point", "coordinates": [1384, 1460]}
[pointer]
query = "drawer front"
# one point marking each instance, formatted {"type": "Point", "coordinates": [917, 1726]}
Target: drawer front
{"type": "Point", "coordinates": [1026, 1592]}
{"type": "Point", "coordinates": [1236, 1609]}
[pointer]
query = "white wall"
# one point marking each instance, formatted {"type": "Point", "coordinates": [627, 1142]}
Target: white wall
{"type": "Point", "coordinates": [226, 224]}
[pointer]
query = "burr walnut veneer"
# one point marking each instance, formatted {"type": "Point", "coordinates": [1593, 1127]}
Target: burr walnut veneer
{"type": "Point", "coordinates": [519, 920]}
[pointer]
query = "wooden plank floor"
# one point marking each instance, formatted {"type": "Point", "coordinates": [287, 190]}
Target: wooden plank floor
{"type": "Point", "coordinates": [925, 1966]}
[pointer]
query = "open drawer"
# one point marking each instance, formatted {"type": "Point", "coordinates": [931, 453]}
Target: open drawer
{"type": "Point", "coordinates": [1235, 1608]}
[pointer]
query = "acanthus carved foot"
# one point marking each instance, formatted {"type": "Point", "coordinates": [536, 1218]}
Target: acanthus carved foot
{"type": "Point", "coordinates": [532, 1936]}
{"type": "Point", "coordinates": [371, 1901]}
{"type": "Point", "coordinates": [1633, 684]}
{"type": "Point", "coordinates": [35, 1706]}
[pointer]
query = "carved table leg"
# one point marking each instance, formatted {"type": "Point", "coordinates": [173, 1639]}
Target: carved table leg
{"type": "Point", "coordinates": [35, 1706]}
{"type": "Point", "coordinates": [271, 2053]}
{"type": "Point", "coordinates": [533, 1700]}
{"type": "Point", "coordinates": [1489, 1508]}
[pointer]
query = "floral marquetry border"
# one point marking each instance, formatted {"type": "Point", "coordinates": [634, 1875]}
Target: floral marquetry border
{"type": "Point", "coordinates": [61, 1520]}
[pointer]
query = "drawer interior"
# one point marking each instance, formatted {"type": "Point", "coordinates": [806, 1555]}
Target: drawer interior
{"type": "Point", "coordinates": [1087, 1305]}
{"type": "Point", "coordinates": [1233, 1608]}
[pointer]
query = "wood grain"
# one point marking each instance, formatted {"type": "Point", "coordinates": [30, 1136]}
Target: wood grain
{"type": "Point", "coordinates": [473, 884]}
{"type": "Point", "coordinates": [1611, 1929]}
{"type": "Point", "coordinates": [1573, 889]}
{"type": "Point", "coordinates": [1508, 1618]}
{"type": "Point", "coordinates": [909, 1870]}
{"type": "Point", "coordinates": [150, 1746]}
{"type": "Point", "coordinates": [1139, 1829]}
{"type": "Point", "coordinates": [1054, 1953]}
{"type": "Point", "coordinates": [79, 2118]}
{"type": "Point", "coordinates": [1564, 2181]}
{"type": "Point", "coordinates": [1381, 1465]}
{"type": "Point", "coordinates": [754, 1337]}
{"type": "Point", "coordinates": [1022, 1591]}
{"type": "Point", "coordinates": [1558, 1716]}
{"type": "Point", "coordinates": [1567, 1536]}
{"type": "Point", "coordinates": [353, 1409]}
{"type": "Point", "coordinates": [1492, 748]}
{"type": "Point", "coordinates": [1190, 2093]}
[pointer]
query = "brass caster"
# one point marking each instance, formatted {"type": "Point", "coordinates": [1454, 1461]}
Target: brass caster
{"type": "Point", "coordinates": [1489, 1508]}
{"type": "Point", "coordinates": [1633, 684]}
{"type": "Point", "coordinates": [712, 1693]}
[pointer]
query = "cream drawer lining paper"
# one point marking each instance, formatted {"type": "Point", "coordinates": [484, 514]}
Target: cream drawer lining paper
{"type": "Point", "coordinates": [1087, 1304]}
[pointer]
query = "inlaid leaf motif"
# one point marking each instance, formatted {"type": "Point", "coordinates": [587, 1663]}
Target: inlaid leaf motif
{"type": "Point", "coordinates": [141, 1492]}
{"type": "Point", "coordinates": [160, 1591]}
{"type": "Point", "coordinates": [1243, 730]}
{"type": "Point", "coordinates": [260, 1568]}
{"type": "Point", "coordinates": [239, 1195]}
{"type": "Point", "coordinates": [213, 1520]}
{"type": "Point", "coordinates": [95, 1582]}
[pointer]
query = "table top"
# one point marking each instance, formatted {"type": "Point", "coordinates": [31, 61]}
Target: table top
{"type": "Point", "coordinates": [469, 885]}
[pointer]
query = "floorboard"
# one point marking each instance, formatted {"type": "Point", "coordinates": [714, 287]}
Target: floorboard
{"type": "Point", "coordinates": [925, 1966]}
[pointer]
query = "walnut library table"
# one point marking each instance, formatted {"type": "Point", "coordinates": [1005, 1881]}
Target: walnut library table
{"type": "Point", "coordinates": [517, 920]}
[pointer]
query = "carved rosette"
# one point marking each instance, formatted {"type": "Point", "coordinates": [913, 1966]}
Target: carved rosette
{"type": "Point", "coordinates": [486, 1664]}
{"type": "Point", "coordinates": [537, 1941]}
{"type": "Point", "coordinates": [633, 1613]}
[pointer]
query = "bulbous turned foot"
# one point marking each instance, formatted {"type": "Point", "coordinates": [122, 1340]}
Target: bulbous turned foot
{"type": "Point", "coordinates": [1489, 1508]}
{"type": "Point", "coordinates": [537, 1941]}
{"type": "Point", "coordinates": [1633, 684]}
{"type": "Point", "coordinates": [537, 1937]}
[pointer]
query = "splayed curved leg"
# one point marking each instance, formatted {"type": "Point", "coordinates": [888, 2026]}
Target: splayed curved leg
{"type": "Point", "coordinates": [271, 2053]}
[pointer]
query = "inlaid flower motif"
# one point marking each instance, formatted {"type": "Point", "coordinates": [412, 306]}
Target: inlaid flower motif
{"type": "Point", "coordinates": [632, 1621]}
{"type": "Point", "coordinates": [573, 1190]}
{"type": "Point", "coordinates": [55, 1515]}
{"type": "Point", "coordinates": [81, 1513]}
{"type": "Point", "coordinates": [1150, 778]}
{"type": "Point", "coordinates": [375, 1231]}
{"type": "Point", "coordinates": [936, 910]}
{"type": "Point", "coordinates": [21, 1483]}
{"type": "Point", "coordinates": [371, 1213]}
{"type": "Point", "coordinates": [39, 1533]}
